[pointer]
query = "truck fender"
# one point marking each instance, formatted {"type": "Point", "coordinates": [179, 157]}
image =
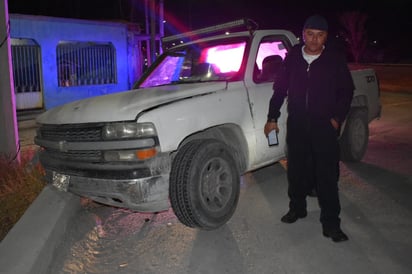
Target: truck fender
{"type": "Point", "coordinates": [232, 136]}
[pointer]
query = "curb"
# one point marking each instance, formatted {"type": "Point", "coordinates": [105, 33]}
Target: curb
{"type": "Point", "coordinates": [30, 244]}
{"type": "Point", "coordinates": [27, 124]}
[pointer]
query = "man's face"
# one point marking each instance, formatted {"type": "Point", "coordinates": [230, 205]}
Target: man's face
{"type": "Point", "coordinates": [314, 40]}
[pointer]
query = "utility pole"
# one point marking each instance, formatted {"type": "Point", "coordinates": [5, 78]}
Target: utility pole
{"type": "Point", "coordinates": [9, 134]}
{"type": "Point", "coordinates": [152, 9]}
{"type": "Point", "coordinates": [161, 24]}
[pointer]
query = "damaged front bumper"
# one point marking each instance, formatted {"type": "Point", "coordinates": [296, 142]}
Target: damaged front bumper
{"type": "Point", "coordinates": [148, 194]}
{"type": "Point", "coordinates": [142, 187]}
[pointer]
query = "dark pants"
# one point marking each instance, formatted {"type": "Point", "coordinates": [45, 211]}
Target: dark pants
{"type": "Point", "coordinates": [313, 159]}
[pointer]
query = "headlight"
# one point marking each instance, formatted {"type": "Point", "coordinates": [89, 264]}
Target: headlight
{"type": "Point", "coordinates": [128, 130]}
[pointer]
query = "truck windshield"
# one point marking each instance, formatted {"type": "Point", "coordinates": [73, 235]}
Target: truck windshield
{"type": "Point", "coordinates": [201, 62]}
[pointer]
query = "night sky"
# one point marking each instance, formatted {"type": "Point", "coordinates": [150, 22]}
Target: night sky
{"type": "Point", "coordinates": [389, 22]}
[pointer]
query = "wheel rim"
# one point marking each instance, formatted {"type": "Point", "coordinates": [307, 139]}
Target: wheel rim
{"type": "Point", "coordinates": [358, 137]}
{"type": "Point", "coordinates": [216, 184]}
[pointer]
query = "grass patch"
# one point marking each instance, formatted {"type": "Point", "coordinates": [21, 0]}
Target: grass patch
{"type": "Point", "coordinates": [20, 184]}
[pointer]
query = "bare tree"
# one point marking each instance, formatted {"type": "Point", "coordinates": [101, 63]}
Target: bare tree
{"type": "Point", "coordinates": [354, 32]}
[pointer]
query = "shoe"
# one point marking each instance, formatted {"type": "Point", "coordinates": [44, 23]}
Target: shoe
{"type": "Point", "coordinates": [292, 216]}
{"type": "Point", "coordinates": [337, 235]}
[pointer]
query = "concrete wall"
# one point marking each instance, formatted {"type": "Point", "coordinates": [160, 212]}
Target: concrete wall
{"type": "Point", "coordinates": [48, 31]}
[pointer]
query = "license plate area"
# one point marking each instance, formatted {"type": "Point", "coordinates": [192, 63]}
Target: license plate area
{"type": "Point", "coordinates": [61, 181]}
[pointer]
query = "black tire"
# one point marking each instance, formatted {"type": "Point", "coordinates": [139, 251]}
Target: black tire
{"type": "Point", "coordinates": [355, 137]}
{"type": "Point", "coordinates": [204, 184]}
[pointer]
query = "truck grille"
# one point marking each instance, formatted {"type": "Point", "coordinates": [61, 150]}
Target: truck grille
{"type": "Point", "coordinates": [71, 134]}
{"type": "Point", "coordinates": [81, 156]}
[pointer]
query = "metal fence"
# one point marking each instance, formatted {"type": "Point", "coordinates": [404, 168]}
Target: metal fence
{"type": "Point", "coordinates": [85, 63]}
{"type": "Point", "coordinates": [26, 68]}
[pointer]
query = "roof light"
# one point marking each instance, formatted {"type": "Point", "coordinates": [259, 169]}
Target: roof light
{"type": "Point", "coordinates": [248, 23]}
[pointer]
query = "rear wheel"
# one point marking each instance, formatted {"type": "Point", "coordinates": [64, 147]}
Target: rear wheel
{"type": "Point", "coordinates": [355, 137]}
{"type": "Point", "coordinates": [204, 184]}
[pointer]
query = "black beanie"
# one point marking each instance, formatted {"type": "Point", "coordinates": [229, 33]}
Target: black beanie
{"type": "Point", "coordinates": [316, 22]}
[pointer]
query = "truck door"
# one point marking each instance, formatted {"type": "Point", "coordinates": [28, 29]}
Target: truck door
{"type": "Point", "coordinates": [269, 56]}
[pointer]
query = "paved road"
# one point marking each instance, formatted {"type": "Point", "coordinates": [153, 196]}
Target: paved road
{"type": "Point", "coordinates": [376, 214]}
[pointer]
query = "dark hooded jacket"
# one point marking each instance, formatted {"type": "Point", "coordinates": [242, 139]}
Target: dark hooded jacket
{"type": "Point", "coordinates": [316, 92]}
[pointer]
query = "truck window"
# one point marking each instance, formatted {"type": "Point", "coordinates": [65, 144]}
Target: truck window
{"type": "Point", "coordinates": [210, 61]}
{"type": "Point", "coordinates": [269, 58]}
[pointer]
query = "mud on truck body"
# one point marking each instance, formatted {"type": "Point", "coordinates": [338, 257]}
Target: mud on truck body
{"type": "Point", "coordinates": [189, 129]}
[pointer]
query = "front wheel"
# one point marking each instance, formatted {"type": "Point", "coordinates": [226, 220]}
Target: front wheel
{"type": "Point", "coordinates": [204, 184]}
{"type": "Point", "coordinates": [355, 137]}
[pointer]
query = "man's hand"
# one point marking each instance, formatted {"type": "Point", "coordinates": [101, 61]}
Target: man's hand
{"type": "Point", "coordinates": [269, 126]}
{"type": "Point", "coordinates": [334, 123]}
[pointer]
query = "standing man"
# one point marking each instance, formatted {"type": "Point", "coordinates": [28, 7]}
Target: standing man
{"type": "Point", "coordinates": [319, 88]}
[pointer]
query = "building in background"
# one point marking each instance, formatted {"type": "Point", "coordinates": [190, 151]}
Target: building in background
{"type": "Point", "coordinates": [59, 60]}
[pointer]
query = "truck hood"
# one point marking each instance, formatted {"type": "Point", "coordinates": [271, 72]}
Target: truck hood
{"type": "Point", "coordinates": [124, 106]}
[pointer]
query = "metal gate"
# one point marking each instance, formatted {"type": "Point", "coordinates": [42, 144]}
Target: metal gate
{"type": "Point", "coordinates": [27, 74]}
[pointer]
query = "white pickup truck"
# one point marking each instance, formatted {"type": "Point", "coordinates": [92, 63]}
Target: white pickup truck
{"type": "Point", "coordinates": [188, 131]}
